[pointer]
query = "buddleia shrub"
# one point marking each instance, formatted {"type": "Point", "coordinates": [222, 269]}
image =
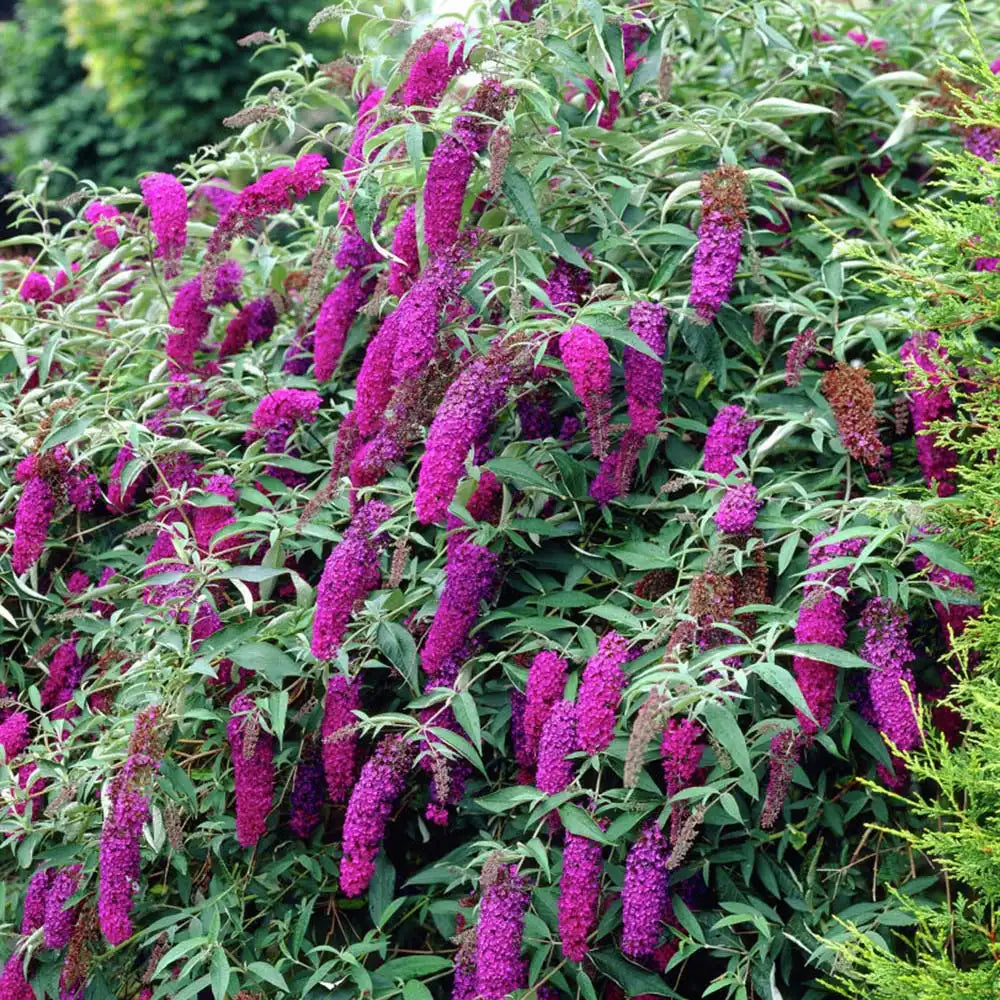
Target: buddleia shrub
{"type": "Point", "coordinates": [468, 558]}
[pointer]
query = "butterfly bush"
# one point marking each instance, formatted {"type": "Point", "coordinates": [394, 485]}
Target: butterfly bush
{"type": "Point", "coordinates": [499, 967]}
{"type": "Point", "coordinates": [579, 894]}
{"type": "Point", "coordinates": [166, 200]}
{"type": "Point", "coordinates": [720, 239]}
{"type": "Point", "coordinates": [253, 770]}
{"type": "Point", "coordinates": [379, 785]}
{"type": "Point", "coordinates": [408, 434]}
{"type": "Point", "coordinates": [545, 684]}
{"type": "Point", "coordinates": [644, 892]}
{"type": "Point", "coordinates": [559, 738]}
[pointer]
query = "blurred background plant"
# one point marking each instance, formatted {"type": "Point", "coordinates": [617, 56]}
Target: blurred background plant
{"type": "Point", "coordinates": [108, 89]}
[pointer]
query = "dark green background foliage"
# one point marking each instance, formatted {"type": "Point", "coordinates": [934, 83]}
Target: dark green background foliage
{"type": "Point", "coordinates": [833, 138]}
{"type": "Point", "coordinates": [172, 72]}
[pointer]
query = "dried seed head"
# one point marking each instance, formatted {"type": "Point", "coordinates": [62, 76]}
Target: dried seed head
{"type": "Point", "coordinates": [400, 559]}
{"type": "Point", "coordinates": [250, 116]}
{"type": "Point", "coordinates": [685, 836]}
{"type": "Point", "coordinates": [318, 267]}
{"type": "Point", "coordinates": [174, 826]}
{"type": "Point", "coordinates": [647, 724]}
{"type": "Point", "coordinates": [665, 78]}
{"type": "Point", "coordinates": [251, 734]}
{"type": "Point", "coordinates": [499, 153]}
{"type": "Point", "coordinates": [255, 38]}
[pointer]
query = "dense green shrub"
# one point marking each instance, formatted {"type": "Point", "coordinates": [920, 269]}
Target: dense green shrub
{"type": "Point", "coordinates": [231, 605]}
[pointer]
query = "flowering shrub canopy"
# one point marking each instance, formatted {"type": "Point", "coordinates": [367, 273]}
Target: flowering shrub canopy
{"type": "Point", "coordinates": [480, 549]}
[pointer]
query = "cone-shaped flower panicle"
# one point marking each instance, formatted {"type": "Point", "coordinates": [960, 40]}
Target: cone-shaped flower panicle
{"type": "Point", "coordinates": [351, 573]}
{"type": "Point", "coordinates": [166, 200]}
{"type": "Point", "coordinates": [645, 892]}
{"type": "Point", "coordinates": [720, 238]}
{"type": "Point", "coordinates": [588, 362]}
{"type": "Point", "coordinates": [500, 969]}
{"type": "Point", "coordinates": [339, 735]}
{"type": "Point", "coordinates": [463, 419]}
{"type": "Point", "coordinates": [253, 769]}
{"type": "Point", "coordinates": [600, 692]}
{"type": "Point", "coordinates": [382, 781]}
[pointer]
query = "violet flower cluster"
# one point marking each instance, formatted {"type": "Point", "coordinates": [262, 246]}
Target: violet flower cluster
{"type": "Point", "coordinates": [579, 894]}
{"type": "Point", "coordinates": [253, 323]}
{"type": "Point", "coordinates": [271, 193]}
{"type": "Point", "coordinates": [471, 576]}
{"type": "Point", "coordinates": [645, 892]}
{"type": "Point", "coordinates": [351, 573]}
{"type": "Point", "coordinates": [406, 341]}
{"type": "Point", "coordinates": [60, 918]}
{"type": "Point", "coordinates": [930, 401]}
{"type": "Point", "coordinates": [15, 735]}
{"type": "Point", "coordinates": [643, 374]}
{"type": "Point", "coordinates": [822, 619]}
{"type": "Point", "coordinates": [102, 217]}
{"type": "Point", "coordinates": [737, 511]}
{"type": "Point", "coordinates": [253, 769]}
{"type": "Point", "coordinates": [588, 362]}
{"type": "Point", "coordinates": [557, 741]}
{"type": "Point", "coordinates": [308, 792]}
{"type": "Point", "coordinates": [453, 161]}
{"type": "Point", "coordinates": [463, 419]}
{"type": "Point", "coordinates": [720, 238]}
{"type": "Point", "coordinates": [279, 413]}
{"type": "Point", "coordinates": [189, 314]}
{"type": "Point", "coordinates": [546, 681]}
{"type": "Point", "coordinates": [339, 735]}
{"type": "Point", "coordinates": [600, 692]}
{"type": "Point", "coordinates": [727, 439]}
{"type": "Point", "coordinates": [380, 784]}
{"type": "Point", "coordinates": [500, 969]}
{"type": "Point", "coordinates": [891, 686]}
{"type": "Point", "coordinates": [433, 61]}
{"type": "Point", "coordinates": [166, 200]}
{"type": "Point", "coordinates": [120, 857]}
{"type": "Point", "coordinates": [403, 271]}
{"type": "Point", "coordinates": [336, 317]}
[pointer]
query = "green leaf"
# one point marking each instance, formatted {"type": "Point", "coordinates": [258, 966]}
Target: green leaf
{"type": "Point", "coordinates": [578, 821]}
{"type": "Point", "coordinates": [412, 966]}
{"type": "Point", "coordinates": [944, 555]}
{"type": "Point", "coordinates": [826, 654]}
{"type": "Point", "coordinates": [631, 978]}
{"type": "Point", "coordinates": [399, 649]}
{"type": "Point", "coordinates": [518, 471]}
{"type": "Point", "coordinates": [505, 799]}
{"type": "Point", "coordinates": [413, 989]}
{"type": "Point", "coordinates": [460, 744]}
{"type": "Point", "coordinates": [262, 970]}
{"type": "Point", "coordinates": [219, 973]}
{"type": "Point", "coordinates": [253, 574]}
{"type": "Point", "coordinates": [382, 887]}
{"type": "Point", "coordinates": [265, 659]}
{"type": "Point", "coordinates": [467, 716]}
{"type": "Point", "coordinates": [782, 681]}
{"type": "Point", "coordinates": [782, 107]}
{"type": "Point", "coordinates": [726, 730]}
{"type": "Point", "coordinates": [415, 146]}
{"type": "Point", "coordinates": [704, 344]}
